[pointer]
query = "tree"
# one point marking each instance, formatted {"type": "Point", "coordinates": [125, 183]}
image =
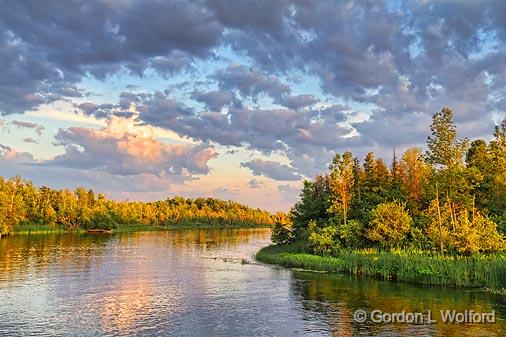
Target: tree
{"type": "Point", "coordinates": [475, 234]}
{"type": "Point", "coordinates": [456, 229]}
{"type": "Point", "coordinates": [341, 184]}
{"type": "Point", "coordinates": [390, 223]}
{"type": "Point", "coordinates": [313, 205]}
{"type": "Point", "coordinates": [444, 148]}
{"type": "Point", "coordinates": [438, 225]}
{"type": "Point", "coordinates": [497, 149]}
{"type": "Point", "coordinates": [414, 178]}
{"type": "Point", "coordinates": [351, 234]}
{"type": "Point", "coordinates": [11, 204]}
{"type": "Point", "coordinates": [480, 167]}
{"type": "Point", "coordinates": [281, 234]}
{"type": "Point", "coordinates": [323, 241]}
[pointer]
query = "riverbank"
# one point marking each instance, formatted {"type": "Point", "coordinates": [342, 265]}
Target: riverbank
{"type": "Point", "coordinates": [487, 272]}
{"type": "Point", "coordinates": [41, 229]}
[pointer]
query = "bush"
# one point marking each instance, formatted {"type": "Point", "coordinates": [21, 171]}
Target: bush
{"type": "Point", "coordinates": [101, 221]}
{"type": "Point", "coordinates": [351, 234]}
{"type": "Point", "coordinates": [323, 241]}
{"type": "Point", "coordinates": [281, 234]}
{"type": "Point", "coordinates": [390, 223]}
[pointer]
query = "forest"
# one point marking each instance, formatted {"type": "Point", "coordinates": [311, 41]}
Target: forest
{"type": "Point", "coordinates": [449, 200]}
{"type": "Point", "coordinates": [23, 205]}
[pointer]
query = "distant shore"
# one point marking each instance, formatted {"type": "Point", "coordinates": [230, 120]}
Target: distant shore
{"type": "Point", "coordinates": [41, 229]}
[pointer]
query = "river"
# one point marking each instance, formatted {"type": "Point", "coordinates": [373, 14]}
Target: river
{"type": "Point", "coordinates": [205, 282]}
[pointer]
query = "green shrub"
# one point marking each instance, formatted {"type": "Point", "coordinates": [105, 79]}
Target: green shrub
{"type": "Point", "coordinates": [323, 240]}
{"type": "Point", "coordinates": [390, 224]}
{"type": "Point", "coordinates": [351, 234]}
{"type": "Point", "coordinates": [281, 234]}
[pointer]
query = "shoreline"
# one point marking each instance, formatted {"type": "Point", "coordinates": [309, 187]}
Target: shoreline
{"type": "Point", "coordinates": [47, 229]}
{"type": "Point", "coordinates": [483, 272]}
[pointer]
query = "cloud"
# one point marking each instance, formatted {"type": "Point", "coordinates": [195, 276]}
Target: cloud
{"type": "Point", "coordinates": [255, 183]}
{"type": "Point", "coordinates": [298, 101]}
{"type": "Point", "coordinates": [250, 82]}
{"type": "Point", "coordinates": [118, 149]}
{"type": "Point", "coordinates": [171, 64]}
{"type": "Point", "coordinates": [393, 62]}
{"type": "Point", "coordinates": [289, 193]}
{"type": "Point", "coordinates": [7, 153]}
{"type": "Point", "coordinates": [215, 100]}
{"type": "Point", "coordinates": [14, 163]}
{"type": "Point", "coordinates": [29, 125]}
{"type": "Point", "coordinates": [96, 39]}
{"type": "Point", "coordinates": [400, 51]}
{"type": "Point", "coordinates": [30, 140]}
{"type": "Point", "coordinates": [120, 160]}
{"type": "Point", "coordinates": [271, 169]}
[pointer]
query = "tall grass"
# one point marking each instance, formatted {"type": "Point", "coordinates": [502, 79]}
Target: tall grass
{"type": "Point", "coordinates": [32, 228]}
{"type": "Point", "coordinates": [28, 228]}
{"type": "Point", "coordinates": [480, 271]}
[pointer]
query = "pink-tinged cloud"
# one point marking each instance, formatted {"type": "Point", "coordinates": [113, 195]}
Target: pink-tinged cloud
{"type": "Point", "coordinates": [120, 149]}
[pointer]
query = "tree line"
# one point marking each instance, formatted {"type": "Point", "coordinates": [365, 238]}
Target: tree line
{"type": "Point", "coordinates": [451, 199]}
{"type": "Point", "coordinates": [22, 203]}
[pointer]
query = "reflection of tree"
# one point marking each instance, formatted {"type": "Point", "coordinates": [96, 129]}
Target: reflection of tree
{"type": "Point", "coordinates": [336, 297]}
{"type": "Point", "coordinates": [210, 238]}
{"type": "Point", "coordinates": [21, 254]}
{"type": "Point", "coordinates": [119, 282]}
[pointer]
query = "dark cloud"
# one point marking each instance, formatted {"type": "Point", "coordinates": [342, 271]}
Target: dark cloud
{"type": "Point", "coordinates": [250, 82]}
{"type": "Point", "coordinates": [97, 110]}
{"type": "Point", "coordinates": [289, 193]}
{"type": "Point", "coordinates": [30, 140]}
{"type": "Point", "coordinates": [216, 100]}
{"type": "Point", "coordinates": [400, 61]}
{"type": "Point", "coordinates": [161, 110]}
{"type": "Point", "coordinates": [171, 64]}
{"type": "Point", "coordinates": [29, 125]}
{"type": "Point", "coordinates": [271, 169]}
{"type": "Point", "coordinates": [255, 183]}
{"type": "Point", "coordinates": [46, 50]}
{"type": "Point", "coordinates": [400, 49]}
{"type": "Point", "coordinates": [298, 101]}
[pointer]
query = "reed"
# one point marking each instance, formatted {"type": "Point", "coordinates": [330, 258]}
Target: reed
{"type": "Point", "coordinates": [479, 271]}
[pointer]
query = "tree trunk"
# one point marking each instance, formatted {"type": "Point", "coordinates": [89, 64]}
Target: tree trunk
{"type": "Point", "coordinates": [439, 221]}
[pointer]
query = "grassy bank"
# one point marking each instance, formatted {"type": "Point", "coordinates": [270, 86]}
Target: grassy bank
{"type": "Point", "coordinates": [481, 271]}
{"type": "Point", "coordinates": [38, 229]}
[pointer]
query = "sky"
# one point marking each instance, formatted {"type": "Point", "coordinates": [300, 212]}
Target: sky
{"type": "Point", "coordinates": [240, 100]}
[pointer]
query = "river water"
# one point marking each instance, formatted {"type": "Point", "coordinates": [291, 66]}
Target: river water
{"type": "Point", "coordinates": [205, 282]}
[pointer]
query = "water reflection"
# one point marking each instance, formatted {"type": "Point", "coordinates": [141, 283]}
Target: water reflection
{"type": "Point", "coordinates": [337, 297]}
{"type": "Point", "coordinates": [196, 283]}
